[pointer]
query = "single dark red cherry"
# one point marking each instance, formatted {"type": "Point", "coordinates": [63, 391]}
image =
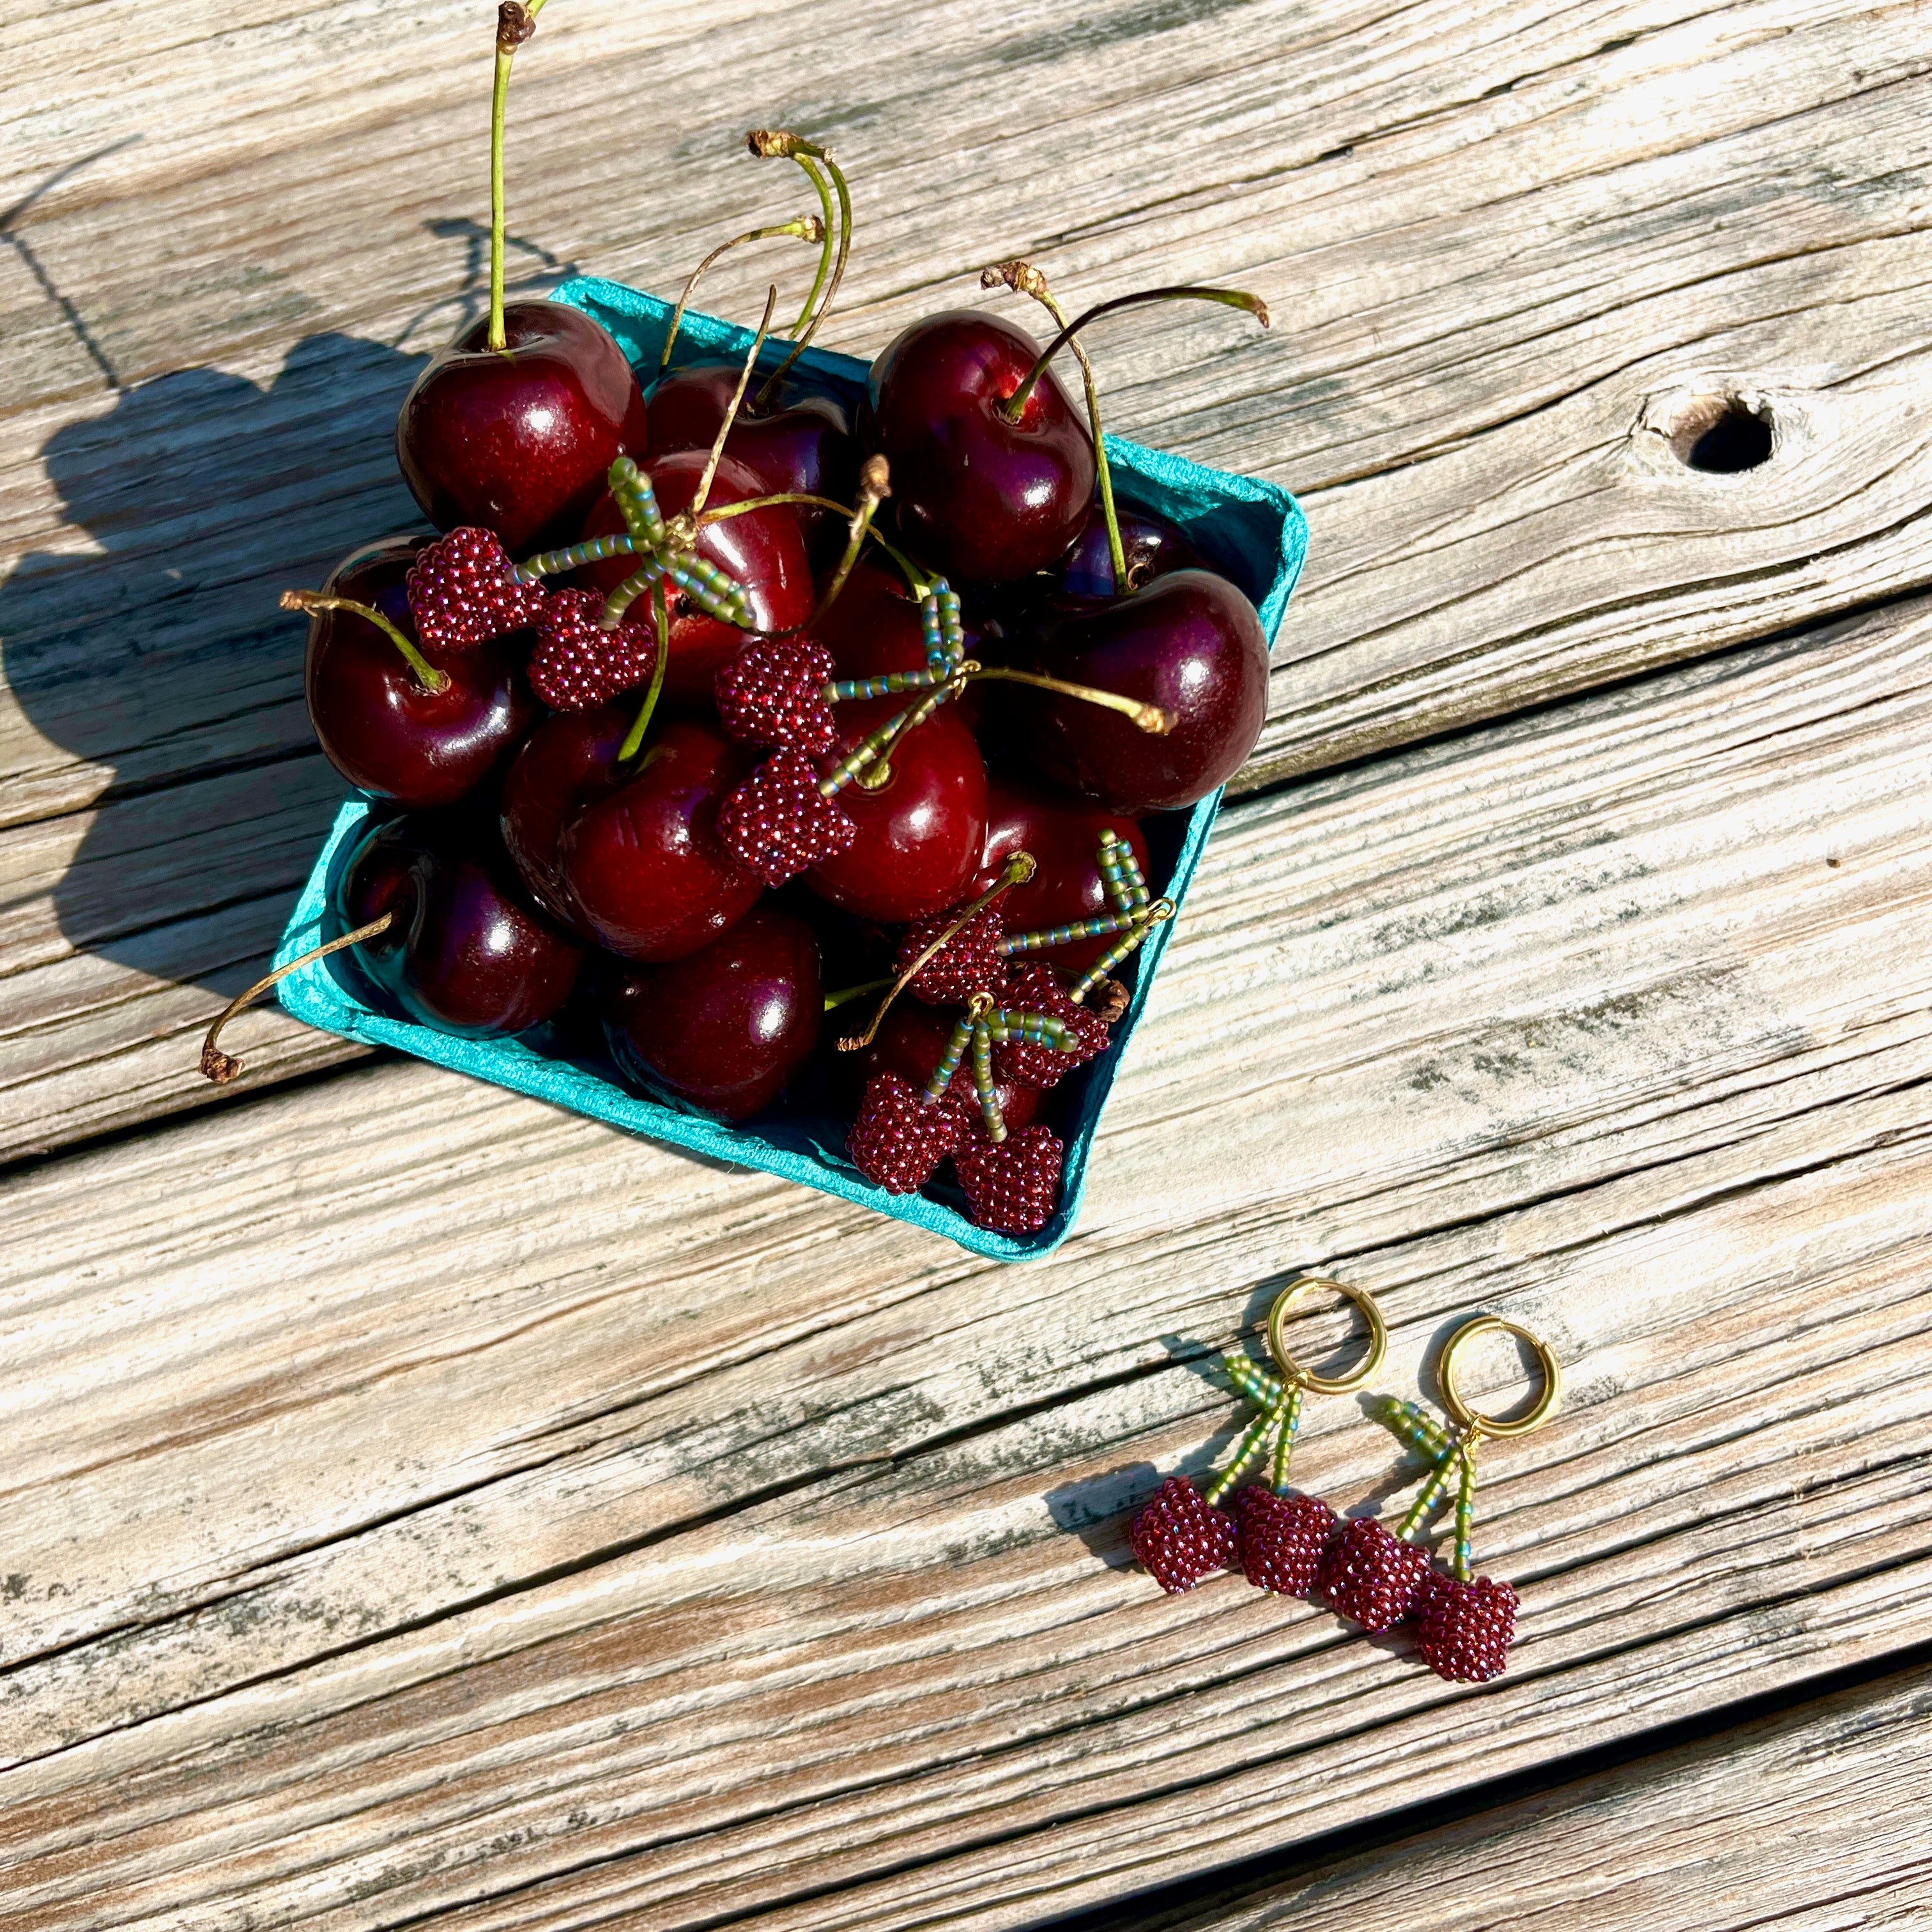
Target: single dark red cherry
{"type": "Point", "coordinates": [519, 440]}
{"type": "Point", "coordinates": [1190, 642]}
{"type": "Point", "coordinates": [378, 726]}
{"type": "Point", "coordinates": [1064, 835]}
{"type": "Point", "coordinates": [803, 442]}
{"type": "Point", "coordinates": [464, 951]}
{"type": "Point", "coordinates": [873, 627]}
{"type": "Point", "coordinates": [980, 498]}
{"type": "Point", "coordinates": [1153, 547]}
{"type": "Point", "coordinates": [643, 863]}
{"type": "Point", "coordinates": [764, 550]}
{"type": "Point", "coordinates": [920, 833]}
{"type": "Point", "coordinates": [723, 1027]}
{"type": "Point", "coordinates": [567, 761]}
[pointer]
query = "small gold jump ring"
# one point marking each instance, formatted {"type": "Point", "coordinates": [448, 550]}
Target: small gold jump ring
{"type": "Point", "coordinates": [1471, 1419]}
{"type": "Point", "coordinates": [1293, 1370]}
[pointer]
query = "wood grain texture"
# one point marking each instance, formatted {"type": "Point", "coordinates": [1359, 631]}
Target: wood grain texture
{"type": "Point", "coordinates": [1812, 1820]}
{"type": "Point", "coordinates": [426, 1508]}
{"type": "Point", "coordinates": [1506, 247]}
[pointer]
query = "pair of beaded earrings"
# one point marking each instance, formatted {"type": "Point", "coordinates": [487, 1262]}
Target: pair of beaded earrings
{"type": "Point", "coordinates": [1296, 1545]}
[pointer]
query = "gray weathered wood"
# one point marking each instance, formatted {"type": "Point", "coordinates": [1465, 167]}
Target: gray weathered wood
{"type": "Point", "coordinates": [1813, 1819]}
{"type": "Point", "coordinates": [423, 1503]}
{"type": "Point", "coordinates": [1503, 245]}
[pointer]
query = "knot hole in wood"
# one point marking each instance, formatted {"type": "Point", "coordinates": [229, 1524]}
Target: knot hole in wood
{"type": "Point", "coordinates": [1724, 434]}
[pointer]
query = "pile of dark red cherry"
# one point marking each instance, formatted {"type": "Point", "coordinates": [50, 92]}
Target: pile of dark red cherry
{"type": "Point", "coordinates": [642, 777]}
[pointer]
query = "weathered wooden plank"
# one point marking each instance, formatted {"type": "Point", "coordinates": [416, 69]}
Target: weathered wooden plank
{"type": "Point", "coordinates": [466, 1512]}
{"type": "Point", "coordinates": [1548, 232]}
{"type": "Point", "coordinates": [1814, 1818]}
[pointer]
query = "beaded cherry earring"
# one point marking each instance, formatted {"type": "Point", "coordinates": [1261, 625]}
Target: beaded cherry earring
{"type": "Point", "coordinates": [1465, 1624]}
{"type": "Point", "coordinates": [1274, 1536]}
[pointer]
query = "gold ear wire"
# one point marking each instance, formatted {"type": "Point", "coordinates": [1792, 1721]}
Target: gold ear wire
{"type": "Point", "coordinates": [1291, 1370]}
{"type": "Point", "coordinates": [1473, 1422]}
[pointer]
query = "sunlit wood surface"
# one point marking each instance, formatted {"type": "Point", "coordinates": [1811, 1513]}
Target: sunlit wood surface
{"type": "Point", "coordinates": [422, 1507]}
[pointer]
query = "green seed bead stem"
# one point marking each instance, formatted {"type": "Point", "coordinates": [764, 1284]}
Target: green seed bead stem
{"type": "Point", "coordinates": [638, 501]}
{"type": "Point", "coordinates": [983, 1081]}
{"type": "Point", "coordinates": [891, 684]}
{"type": "Point", "coordinates": [1061, 935]}
{"type": "Point", "coordinates": [1246, 1451]}
{"type": "Point", "coordinates": [1252, 1381]}
{"type": "Point", "coordinates": [712, 590]}
{"type": "Point", "coordinates": [1429, 1495]}
{"type": "Point", "coordinates": [1159, 913]}
{"type": "Point", "coordinates": [1120, 873]}
{"type": "Point", "coordinates": [550, 562]}
{"type": "Point", "coordinates": [1465, 1510]}
{"type": "Point", "coordinates": [1284, 1443]}
{"type": "Point", "coordinates": [1031, 1029]}
{"type": "Point", "coordinates": [949, 1060]}
{"type": "Point", "coordinates": [634, 738]}
{"type": "Point", "coordinates": [1416, 1428]}
{"type": "Point", "coordinates": [877, 744]}
{"type": "Point", "coordinates": [939, 619]}
{"type": "Point", "coordinates": [649, 573]}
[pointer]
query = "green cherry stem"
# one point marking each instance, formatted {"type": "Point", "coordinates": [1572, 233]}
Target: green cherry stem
{"type": "Point", "coordinates": [845, 994]}
{"type": "Point", "coordinates": [801, 228]}
{"type": "Point", "coordinates": [827, 231]}
{"type": "Point", "coordinates": [1020, 868]}
{"type": "Point", "coordinates": [1023, 278]}
{"type": "Point", "coordinates": [515, 25]}
{"type": "Point", "coordinates": [634, 737]}
{"type": "Point", "coordinates": [432, 680]}
{"type": "Point", "coordinates": [1014, 405]}
{"type": "Point", "coordinates": [1150, 718]}
{"type": "Point", "coordinates": [717, 455]}
{"type": "Point", "coordinates": [771, 142]}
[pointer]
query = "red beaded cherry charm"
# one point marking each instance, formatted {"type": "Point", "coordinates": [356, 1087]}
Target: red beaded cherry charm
{"type": "Point", "coordinates": [1282, 1539]}
{"type": "Point", "coordinates": [1463, 1630]}
{"type": "Point", "coordinates": [1180, 1537]}
{"type": "Point", "coordinates": [462, 591]}
{"type": "Point", "coordinates": [773, 693]}
{"type": "Point", "coordinates": [577, 664]}
{"type": "Point", "coordinates": [902, 1135]}
{"type": "Point", "coordinates": [1371, 1577]}
{"type": "Point", "coordinates": [1012, 1186]}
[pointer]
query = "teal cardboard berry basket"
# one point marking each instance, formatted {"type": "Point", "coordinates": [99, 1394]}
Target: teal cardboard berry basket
{"type": "Point", "coordinates": [1253, 531]}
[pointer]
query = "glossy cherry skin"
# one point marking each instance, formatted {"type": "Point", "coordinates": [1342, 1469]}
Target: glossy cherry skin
{"type": "Point", "coordinates": [519, 442]}
{"type": "Point", "coordinates": [567, 761]}
{"type": "Point", "coordinates": [911, 1039]}
{"type": "Point", "coordinates": [983, 500]}
{"type": "Point", "coordinates": [1190, 643]}
{"type": "Point", "coordinates": [872, 627]}
{"type": "Point", "coordinates": [1152, 546]}
{"type": "Point", "coordinates": [644, 864]}
{"type": "Point", "coordinates": [464, 952]}
{"type": "Point", "coordinates": [724, 1026]}
{"type": "Point", "coordinates": [803, 442]}
{"type": "Point", "coordinates": [1063, 835]}
{"type": "Point", "coordinates": [920, 833]}
{"type": "Point", "coordinates": [377, 726]}
{"type": "Point", "coordinates": [764, 550]}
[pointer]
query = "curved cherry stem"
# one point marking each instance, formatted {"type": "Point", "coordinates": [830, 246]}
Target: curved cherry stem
{"type": "Point", "coordinates": [1150, 718]}
{"type": "Point", "coordinates": [1020, 868]}
{"type": "Point", "coordinates": [515, 25]}
{"type": "Point", "coordinates": [769, 141]}
{"type": "Point", "coordinates": [634, 737]}
{"type": "Point", "coordinates": [1023, 278]}
{"type": "Point", "coordinates": [801, 228]}
{"type": "Point", "coordinates": [222, 1067]}
{"type": "Point", "coordinates": [828, 229]}
{"type": "Point", "coordinates": [1014, 405]}
{"type": "Point", "coordinates": [717, 455]}
{"type": "Point", "coordinates": [433, 681]}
